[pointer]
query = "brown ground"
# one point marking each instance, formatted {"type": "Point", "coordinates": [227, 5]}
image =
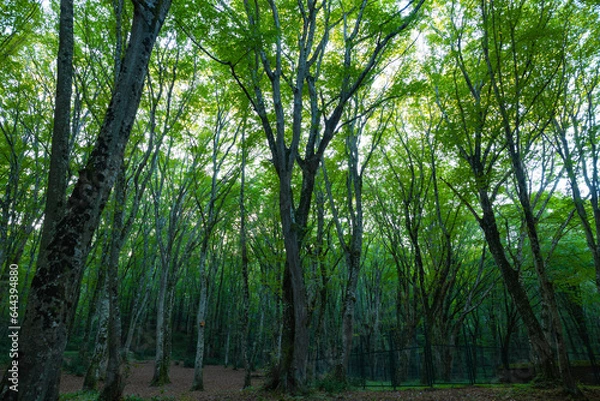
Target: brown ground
{"type": "Point", "coordinates": [225, 383]}
{"type": "Point", "coordinates": [219, 382]}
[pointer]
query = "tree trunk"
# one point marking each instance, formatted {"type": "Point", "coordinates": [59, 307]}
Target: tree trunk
{"type": "Point", "coordinates": [295, 368]}
{"type": "Point", "coordinates": [352, 248]}
{"type": "Point", "coordinates": [114, 383]}
{"type": "Point", "coordinates": [136, 313]}
{"type": "Point", "coordinates": [545, 363]}
{"type": "Point", "coordinates": [210, 218]}
{"type": "Point", "coordinates": [198, 383]}
{"type": "Point", "coordinates": [59, 158]}
{"type": "Point", "coordinates": [98, 358]}
{"type": "Point", "coordinates": [55, 288]}
{"type": "Point", "coordinates": [161, 372]}
{"type": "Point", "coordinates": [245, 286]}
{"type": "Point", "coordinates": [578, 315]}
{"type": "Point", "coordinates": [546, 286]}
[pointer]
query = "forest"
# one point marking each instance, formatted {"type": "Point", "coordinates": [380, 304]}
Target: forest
{"type": "Point", "coordinates": [334, 193]}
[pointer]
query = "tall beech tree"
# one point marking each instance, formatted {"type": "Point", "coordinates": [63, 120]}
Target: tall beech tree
{"type": "Point", "coordinates": [175, 242]}
{"type": "Point", "coordinates": [283, 71]}
{"type": "Point", "coordinates": [210, 206]}
{"type": "Point", "coordinates": [524, 94]}
{"type": "Point", "coordinates": [356, 131]}
{"type": "Point", "coordinates": [55, 287]}
{"type": "Point", "coordinates": [504, 111]}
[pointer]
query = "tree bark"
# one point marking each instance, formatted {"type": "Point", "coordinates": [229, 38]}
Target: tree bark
{"type": "Point", "coordinates": [114, 383]}
{"type": "Point", "coordinates": [546, 286]}
{"type": "Point", "coordinates": [245, 284]}
{"type": "Point", "coordinates": [198, 383]}
{"type": "Point", "coordinates": [59, 158]}
{"type": "Point", "coordinates": [352, 249]}
{"type": "Point", "coordinates": [98, 359]}
{"type": "Point", "coordinates": [210, 214]}
{"type": "Point", "coordinates": [55, 287]}
{"type": "Point", "coordinates": [541, 346]}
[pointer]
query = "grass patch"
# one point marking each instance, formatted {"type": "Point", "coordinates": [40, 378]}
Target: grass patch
{"type": "Point", "coordinates": [79, 396]}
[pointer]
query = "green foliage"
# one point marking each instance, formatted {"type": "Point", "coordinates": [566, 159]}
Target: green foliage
{"type": "Point", "coordinates": [333, 385]}
{"type": "Point", "coordinates": [155, 398]}
{"type": "Point", "coordinates": [430, 102]}
{"type": "Point", "coordinates": [80, 396]}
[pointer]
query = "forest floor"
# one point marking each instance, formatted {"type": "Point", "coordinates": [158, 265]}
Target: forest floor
{"type": "Point", "coordinates": [225, 383]}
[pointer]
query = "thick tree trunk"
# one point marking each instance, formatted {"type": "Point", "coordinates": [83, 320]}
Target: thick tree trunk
{"type": "Point", "coordinates": [296, 370]}
{"type": "Point", "coordinates": [55, 288]}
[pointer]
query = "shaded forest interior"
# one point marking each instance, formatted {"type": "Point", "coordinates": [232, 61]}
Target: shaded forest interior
{"type": "Point", "coordinates": [366, 193]}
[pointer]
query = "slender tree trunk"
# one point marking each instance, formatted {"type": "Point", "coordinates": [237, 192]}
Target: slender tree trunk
{"type": "Point", "coordinates": [245, 286]}
{"type": "Point", "coordinates": [55, 288]}
{"type": "Point", "coordinates": [98, 312]}
{"type": "Point", "coordinates": [161, 372]}
{"type": "Point", "coordinates": [578, 315]}
{"type": "Point", "coordinates": [227, 342]}
{"type": "Point", "coordinates": [210, 218]}
{"type": "Point", "coordinates": [169, 250]}
{"type": "Point", "coordinates": [98, 358]}
{"type": "Point", "coordinates": [353, 247]}
{"type": "Point", "coordinates": [138, 308]}
{"type": "Point", "coordinates": [114, 383]}
{"type": "Point", "coordinates": [198, 383]}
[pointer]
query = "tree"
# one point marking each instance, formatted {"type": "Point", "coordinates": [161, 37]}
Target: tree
{"type": "Point", "coordinates": [176, 241]}
{"type": "Point", "coordinates": [278, 74]}
{"type": "Point", "coordinates": [55, 287]}
{"type": "Point", "coordinates": [356, 128]}
{"type": "Point", "coordinates": [481, 137]}
{"type": "Point", "coordinates": [220, 185]}
{"type": "Point", "coordinates": [524, 101]}
{"type": "Point", "coordinates": [245, 265]}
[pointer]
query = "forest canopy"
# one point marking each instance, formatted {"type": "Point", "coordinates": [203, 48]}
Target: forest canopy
{"type": "Point", "coordinates": [299, 186]}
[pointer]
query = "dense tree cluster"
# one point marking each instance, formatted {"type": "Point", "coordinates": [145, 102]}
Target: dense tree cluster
{"type": "Point", "coordinates": [276, 183]}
